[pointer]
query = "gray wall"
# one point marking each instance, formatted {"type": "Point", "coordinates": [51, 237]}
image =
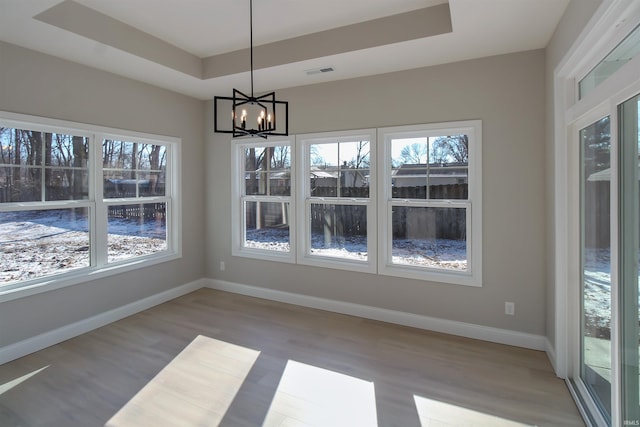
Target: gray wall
{"type": "Point", "coordinates": [37, 84]}
{"type": "Point", "coordinates": [575, 18]}
{"type": "Point", "coordinates": [507, 94]}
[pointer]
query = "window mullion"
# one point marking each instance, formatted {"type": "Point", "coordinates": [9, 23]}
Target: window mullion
{"type": "Point", "coordinates": [99, 215]}
{"type": "Point", "coordinates": [42, 167]}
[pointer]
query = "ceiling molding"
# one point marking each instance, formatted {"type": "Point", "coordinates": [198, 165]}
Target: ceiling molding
{"type": "Point", "coordinates": [89, 23]}
{"type": "Point", "coordinates": [417, 24]}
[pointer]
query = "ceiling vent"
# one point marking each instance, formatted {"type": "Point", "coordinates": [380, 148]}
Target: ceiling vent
{"type": "Point", "coordinates": [319, 70]}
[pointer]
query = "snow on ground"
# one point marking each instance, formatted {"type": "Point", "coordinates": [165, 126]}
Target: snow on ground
{"type": "Point", "coordinates": [51, 242]}
{"type": "Point", "coordinates": [451, 255]}
{"type": "Point", "coordinates": [446, 254]}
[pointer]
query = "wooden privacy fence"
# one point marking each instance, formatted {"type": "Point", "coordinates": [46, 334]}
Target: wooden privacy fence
{"type": "Point", "coordinates": [597, 214]}
{"type": "Point", "coordinates": [145, 211]}
{"type": "Point", "coordinates": [351, 220]}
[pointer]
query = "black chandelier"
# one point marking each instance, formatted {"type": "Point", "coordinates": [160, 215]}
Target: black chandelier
{"type": "Point", "coordinates": [251, 115]}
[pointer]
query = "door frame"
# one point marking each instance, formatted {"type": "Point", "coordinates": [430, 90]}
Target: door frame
{"type": "Point", "coordinates": [613, 20]}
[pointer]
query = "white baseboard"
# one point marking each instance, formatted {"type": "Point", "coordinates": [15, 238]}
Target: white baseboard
{"type": "Point", "coordinates": [39, 342]}
{"type": "Point", "coordinates": [469, 330]}
{"type": "Point", "coordinates": [551, 354]}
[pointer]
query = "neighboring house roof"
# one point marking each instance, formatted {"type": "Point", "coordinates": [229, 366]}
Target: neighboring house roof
{"type": "Point", "coordinates": [605, 175]}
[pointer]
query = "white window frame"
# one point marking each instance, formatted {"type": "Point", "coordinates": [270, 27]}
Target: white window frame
{"type": "Point", "coordinates": [611, 23]}
{"type": "Point", "coordinates": [97, 207]}
{"type": "Point", "coordinates": [473, 204]}
{"type": "Point", "coordinates": [306, 200]}
{"type": "Point", "coordinates": [239, 198]}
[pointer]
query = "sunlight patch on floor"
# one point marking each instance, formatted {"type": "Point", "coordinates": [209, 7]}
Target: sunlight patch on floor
{"type": "Point", "coordinates": [13, 383]}
{"type": "Point", "coordinates": [196, 388]}
{"type": "Point", "coordinates": [312, 396]}
{"type": "Point", "coordinates": [433, 413]}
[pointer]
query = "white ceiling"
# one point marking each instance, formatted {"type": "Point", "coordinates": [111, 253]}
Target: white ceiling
{"type": "Point", "coordinates": [200, 29]}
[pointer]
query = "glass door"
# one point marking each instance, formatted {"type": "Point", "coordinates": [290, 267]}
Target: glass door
{"type": "Point", "coordinates": [629, 125]}
{"type": "Point", "coordinates": [595, 256]}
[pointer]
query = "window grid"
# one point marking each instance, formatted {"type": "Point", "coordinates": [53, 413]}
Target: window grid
{"type": "Point", "coordinates": [308, 168]}
{"type": "Point", "coordinates": [348, 237]}
{"type": "Point", "coordinates": [265, 219]}
{"type": "Point", "coordinates": [96, 207]}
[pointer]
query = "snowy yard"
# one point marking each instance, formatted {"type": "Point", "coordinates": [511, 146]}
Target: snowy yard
{"type": "Point", "coordinates": [446, 254]}
{"type": "Point", "coordinates": [50, 242]}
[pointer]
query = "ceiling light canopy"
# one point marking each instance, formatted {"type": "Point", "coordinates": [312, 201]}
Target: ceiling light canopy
{"type": "Point", "coordinates": [251, 115]}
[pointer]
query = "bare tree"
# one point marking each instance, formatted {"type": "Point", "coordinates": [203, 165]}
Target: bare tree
{"type": "Point", "coordinates": [415, 153]}
{"type": "Point", "coordinates": [361, 160]}
{"type": "Point", "coordinates": [280, 157]}
{"type": "Point", "coordinates": [447, 149]}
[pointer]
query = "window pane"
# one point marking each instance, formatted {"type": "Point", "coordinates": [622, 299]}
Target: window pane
{"type": "Point", "coordinates": [35, 244]}
{"type": "Point", "coordinates": [67, 151]}
{"type": "Point", "coordinates": [133, 169]}
{"type": "Point", "coordinates": [354, 183]}
{"type": "Point", "coordinates": [339, 231]}
{"type": "Point", "coordinates": [117, 187]}
{"type": "Point", "coordinates": [355, 154]}
{"type": "Point", "coordinates": [448, 167]}
{"type": "Point", "coordinates": [630, 257]}
{"type": "Point", "coordinates": [268, 170]}
{"type": "Point", "coordinates": [20, 184]}
{"type": "Point", "coordinates": [430, 237]}
{"type": "Point", "coordinates": [256, 183]}
{"type": "Point", "coordinates": [26, 154]}
{"type": "Point", "coordinates": [136, 230]}
{"type": "Point", "coordinates": [430, 168]}
{"type": "Point", "coordinates": [324, 155]}
{"type": "Point", "coordinates": [22, 147]}
{"type": "Point", "coordinates": [339, 169]}
{"type": "Point", "coordinates": [619, 56]}
{"type": "Point", "coordinates": [448, 181]}
{"type": "Point", "coordinates": [66, 184]}
{"type": "Point", "coordinates": [595, 183]}
{"type": "Point", "coordinates": [280, 183]}
{"type": "Point", "coordinates": [253, 158]}
{"type": "Point", "coordinates": [323, 183]}
{"type": "Point", "coordinates": [409, 158]}
{"type": "Point", "coordinates": [267, 226]}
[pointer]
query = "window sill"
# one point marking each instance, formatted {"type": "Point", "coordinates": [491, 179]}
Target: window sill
{"type": "Point", "coordinates": [446, 277]}
{"type": "Point", "coordinates": [45, 284]}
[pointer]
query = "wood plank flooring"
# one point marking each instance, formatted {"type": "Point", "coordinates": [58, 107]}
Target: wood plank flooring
{"type": "Point", "coordinates": [214, 358]}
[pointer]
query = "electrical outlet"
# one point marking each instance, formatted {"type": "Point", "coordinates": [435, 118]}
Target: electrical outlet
{"type": "Point", "coordinates": [509, 308]}
{"type": "Point", "coordinates": [222, 266]}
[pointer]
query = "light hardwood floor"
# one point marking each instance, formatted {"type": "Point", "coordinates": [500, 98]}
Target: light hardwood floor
{"type": "Point", "coordinates": [215, 358]}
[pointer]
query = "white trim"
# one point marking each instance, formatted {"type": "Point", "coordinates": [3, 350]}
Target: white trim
{"type": "Point", "coordinates": [551, 353]}
{"type": "Point", "coordinates": [472, 276]}
{"type": "Point", "coordinates": [305, 200]}
{"type": "Point", "coordinates": [238, 198]}
{"type": "Point", "coordinates": [608, 26]}
{"type": "Point", "coordinates": [452, 327]}
{"type": "Point", "coordinates": [39, 342]}
{"type": "Point", "coordinates": [96, 204]}
{"type": "Point", "coordinates": [469, 330]}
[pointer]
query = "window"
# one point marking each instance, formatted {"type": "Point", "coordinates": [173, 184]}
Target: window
{"type": "Point", "coordinates": [619, 56]}
{"type": "Point", "coordinates": [74, 199]}
{"type": "Point", "coordinates": [426, 223]}
{"type": "Point", "coordinates": [338, 214]}
{"type": "Point", "coordinates": [134, 197]}
{"type": "Point", "coordinates": [430, 204]}
{"type": "Point", "coordinates": [263, 186]}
